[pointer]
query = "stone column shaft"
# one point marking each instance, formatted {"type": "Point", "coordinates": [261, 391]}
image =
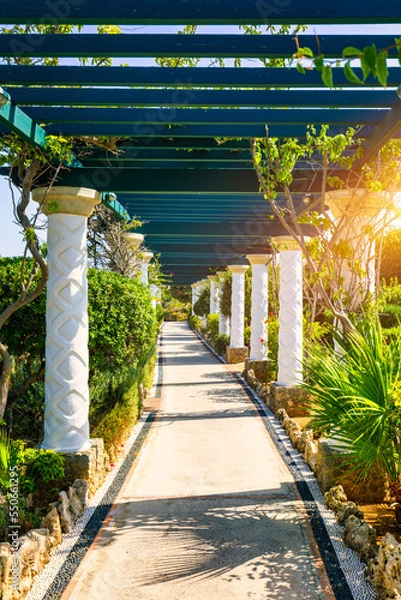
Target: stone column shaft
{"type": "Point", "coordinates": [259, 306]}
{"type": "Point", "coordinates": [147, 257]}
{"type": "Point", "coordinates": [67, 359]}
{"type": "Point", "coordinates": [290, 314]}
{"type": "Point", "coordinates": [237, 306]}
{"type": "Point", "coordinates": [213, 294]}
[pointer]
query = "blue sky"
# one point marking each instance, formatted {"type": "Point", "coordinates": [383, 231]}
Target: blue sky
{"type": "Point", "coordinates": [11, 243]}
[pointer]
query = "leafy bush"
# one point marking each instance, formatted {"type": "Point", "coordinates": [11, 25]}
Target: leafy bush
{"type": "Point", "coordinates": [175, 310]}
{"type": "Point", "coordinates": [221, 342]}
{"type": "Point", "coordinates": [213, 325]}
{"type": "Point", "coordinates": [225, 295]}
{"type": "Point", "coordinates": [116, 401]}
{"type": "Point", "coordinates": [202, 305]}
{"type": "Point", "coordinates": [194, 322]}
{"type": "Point", "coordinates": [36, 467]}
{"type": "Point", "coordinates": [122, 322]}
{"type": "Point", "coordinates": [159, 314]}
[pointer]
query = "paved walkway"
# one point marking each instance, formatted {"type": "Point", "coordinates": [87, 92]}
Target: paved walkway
{"type": "Point", "coordinates": [209, 511]}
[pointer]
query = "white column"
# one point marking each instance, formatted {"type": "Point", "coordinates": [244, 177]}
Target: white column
{"type": "Point", "coordinates": [290, 314]}
{"type": "Point", "coordinates": [259, 305]}
{"type": "Point", "coordinates": [237, 305]}
{"type": "Point", "coordinates": [193, 286]}
{"type": "Point", "coordinates": [213, 294]}
{"type": "Point", "coordinates": [129, 257]}
{"type": "Point", "coordinates": [67, 359]}
{"type": "Point", "coordinates": [146, 258]}
{"type": "Point", "coordinates": [357, 214]}
{"type": "Point", "coordinates": [155, 292]}
{"type": "Point", "coordinates": [224, 322]}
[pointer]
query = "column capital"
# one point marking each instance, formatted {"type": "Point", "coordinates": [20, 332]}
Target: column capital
{"type": "Point", "coordinates": [237, 268]}
{"type": "Point", "coordinates": [357, 202]}
{"type": "Point", "coordinates": [220, 273]}
{"type": "Point", "coordinates": [134, 239]}
{"type": "Point", "coordinates": [146, 257]}
{"type": "Point", "coordinates": [259, 259]}
{"type": "Point", "coordinates": [67, 200]}
{"type": "Point", "coordinates": [285, 242]}
{"type": "Point", "coordinates": [212, 277]}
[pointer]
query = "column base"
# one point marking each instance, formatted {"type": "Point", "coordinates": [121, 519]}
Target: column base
{"type": "Point", "coordinates": [91, 465]}
{"type": "Point", "coordinates": [290, 397]}
{"type": "Point", "coordinates": [237, 355]}
{"type": "Point", "coordinates": [260, 368]}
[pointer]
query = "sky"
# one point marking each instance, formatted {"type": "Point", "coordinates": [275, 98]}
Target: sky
{"type": "Point", "coordinates": [11, 241]}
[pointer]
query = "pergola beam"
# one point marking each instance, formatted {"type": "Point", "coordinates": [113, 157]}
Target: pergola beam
{"type": "Point", "coordinates": [227, 12]}
{"type": "Point", "coordinates": [204, 98]}
{"type": "Point", "coordinates": [172, 45]}
{"type": "Point", "coordinates": [389, 127]}
{"type": "Point", "coordinates": [179, 77]}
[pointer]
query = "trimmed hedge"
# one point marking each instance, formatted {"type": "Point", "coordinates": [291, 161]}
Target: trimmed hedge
{"type": "Point", "coordinates": [122, 333]}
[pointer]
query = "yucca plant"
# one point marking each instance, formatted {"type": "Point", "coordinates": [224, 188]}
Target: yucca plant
{"type": "Point", "coordinates": [356, 397]}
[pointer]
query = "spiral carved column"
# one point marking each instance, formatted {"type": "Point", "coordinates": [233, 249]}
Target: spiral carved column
{"type": "Point", "coordinates": [67, 359]}
{"type": "Point", "coordinates": [237, 305]}
{"type": "Point", "coordinates": [259, 306]}
{"type": "Point", "coordinates": [224, 322]}
{"type": "Point", "coordinates": [213, 294]}
{"type": "Point", "coordinates": [290, 314]}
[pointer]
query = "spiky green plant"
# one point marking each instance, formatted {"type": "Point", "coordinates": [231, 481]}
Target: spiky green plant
{"type": "Point", "coordinates": [357, 398]}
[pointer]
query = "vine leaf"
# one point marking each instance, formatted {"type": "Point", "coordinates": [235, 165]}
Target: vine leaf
{"type": "Point", "coordinates": [327, 76]}
{"type": "Point", "coordinates": [352, 51]}
{"type": "Point", "coordinates": [381, 67]}
{"type": "Point", "coordinates": [350, 74]}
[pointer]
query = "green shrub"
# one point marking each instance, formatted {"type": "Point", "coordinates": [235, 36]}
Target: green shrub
{"type": "Point", "coordinates": [122, 322]}
{"type": "Point", "coordinates": [390, 315]}
{"type": "Point", "coordinates": [194, 322]}
{"type": "Point", "coordinates": [213, 325]}
{"type": "Point", "coordinates": [36, 467]}
{"type": "Point", "coordinates": [221, 342]}
{"type": "Point", "coordinates": [116, 402]}
{"type": "Point", "coordinates": [225, 294]}
{"type": "Point", "coordinates": [247, 336]}
{"type": "Point", "coordinates": [202, 305]}
{"type": "Point", "coordinates": [159, 313]}
{"type": "Point", "coordinates": [175, 310]}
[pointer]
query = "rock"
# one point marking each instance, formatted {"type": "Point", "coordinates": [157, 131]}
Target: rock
{"type": "Point", "coordinates": [281, 414]}
{"type": "Point", "coordinates": [293, 431]}
{"type": "Point", "coordinates": [66, 520]}
{"type": "Point", "coordinates": [306, 436]}
{"type": "Point", "coordinates": [311, 454]}
{"type": "Point", "coordinates": [81, 487]}
{"type": "Point", "coordinates": [384, 571]}
{"type": "Point", "coordinates": [6, 570]}
{"type": "Point", "coordinates": [75, 505]}
{"type": "Point", "coordinates": [336, 498]}
{"type": "Point", "coordinates": [361, 537]}
{"type": "Point", "coordinates": [349, 509]}
{"type": "Point", "coordinates": [52, 522]}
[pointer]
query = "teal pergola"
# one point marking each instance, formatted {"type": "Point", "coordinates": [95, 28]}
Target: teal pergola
{"type": "Point", "coordinates": [184, 165]}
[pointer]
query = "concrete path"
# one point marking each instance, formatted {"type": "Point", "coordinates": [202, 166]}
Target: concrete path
{"type": "Point", "coordinates": [209, 511]}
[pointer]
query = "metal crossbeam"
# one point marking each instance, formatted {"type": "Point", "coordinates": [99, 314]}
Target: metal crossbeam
{"type": "Point", "coordinates": [198, 12]}
{"type": "Point", "coordinates": [204, 98]}
{"type": "Point", "coordinates": [172, 45]}
{"type": "Point", "coordinates": [178, 77]}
